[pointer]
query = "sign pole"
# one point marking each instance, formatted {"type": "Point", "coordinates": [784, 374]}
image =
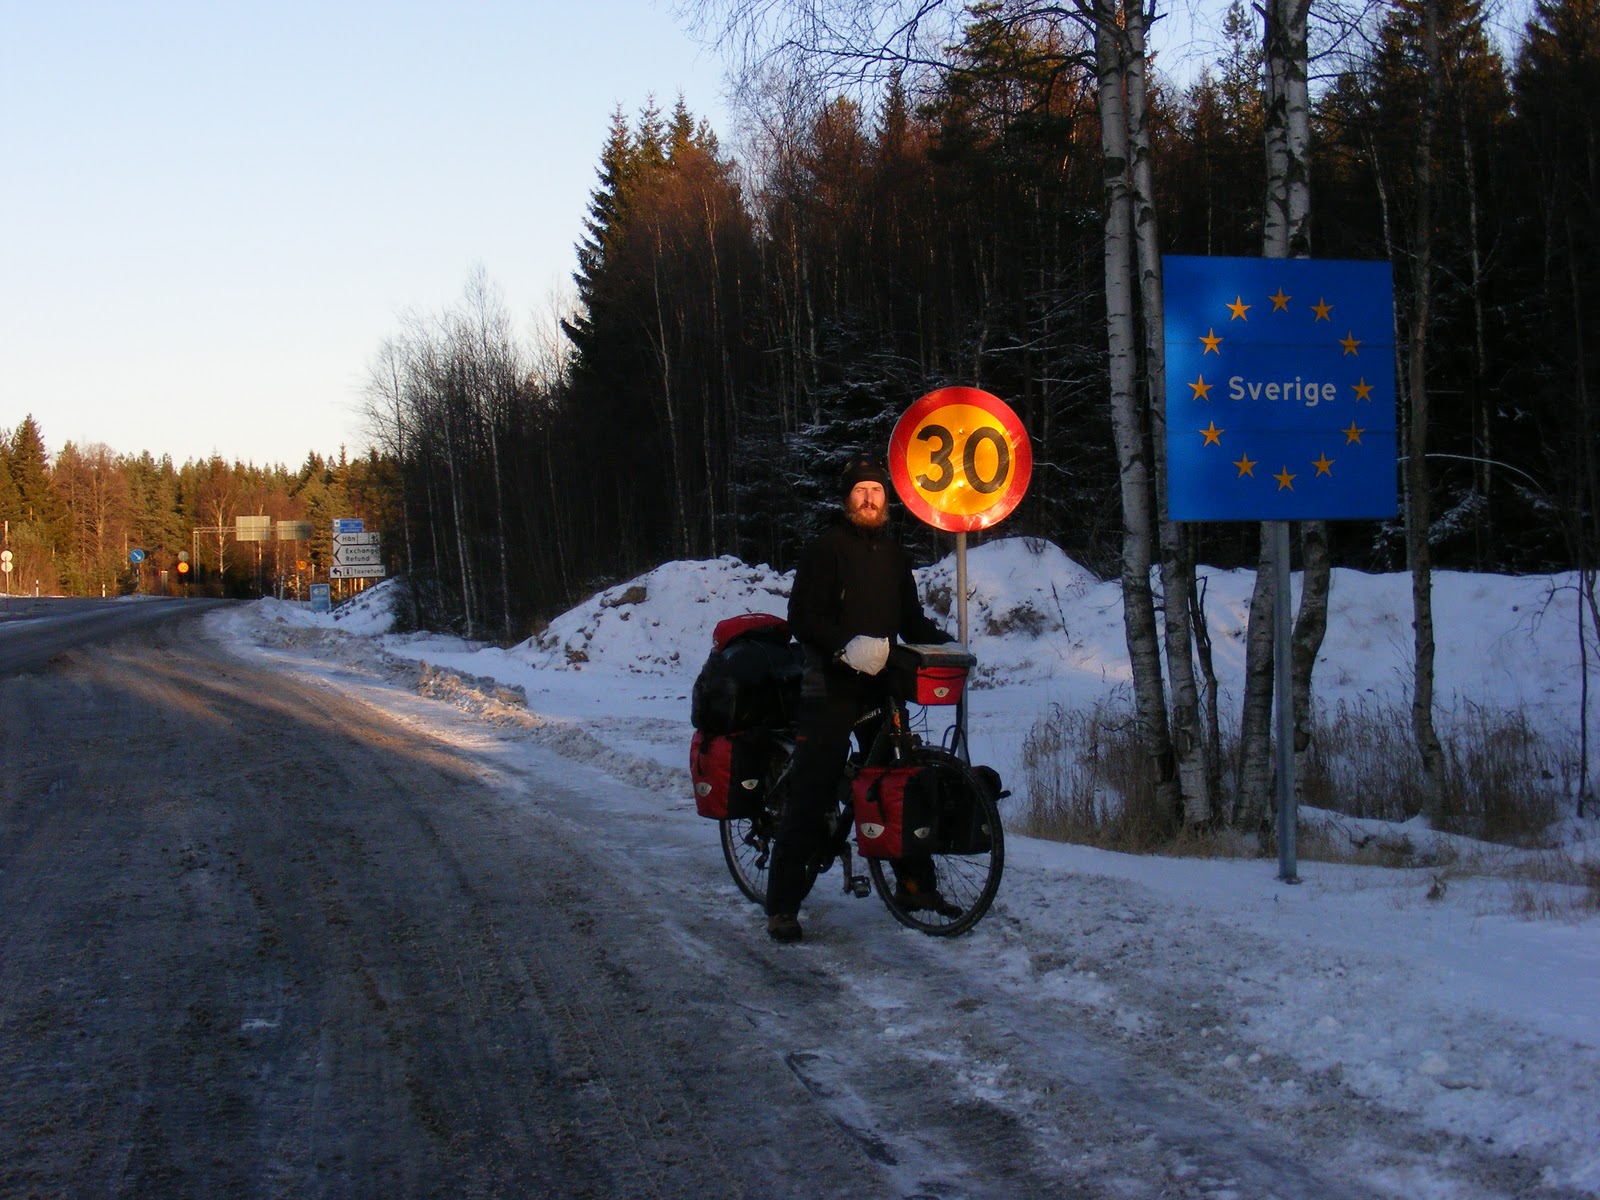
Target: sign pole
{"type": "Point", "coordinates": [961, 632]}
{"type": "Point", "coordinates": [961, 586]}
{"type": "Point", "coordinates": [1283, 689]}
{"type": "Point", "coordinates": [960, 460]}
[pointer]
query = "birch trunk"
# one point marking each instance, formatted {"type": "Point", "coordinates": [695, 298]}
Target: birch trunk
{"type": "Point", "coordinates": [463, 559]}
{"type": "Point", "coordinates": [1138, 607]}
{"type": "Point", "coordinates": [1186, 791]}
{"type": "Point", "coordinates": [1289, 108]}
{"type": "Point", "coordinates": [1418, 506]}
{"type": "Point", "coordinates": [1286, 233]}
{"type": "Point", "coordinates": [1255, 809]}
{"type": "Point", "coordinates": [405, 497]}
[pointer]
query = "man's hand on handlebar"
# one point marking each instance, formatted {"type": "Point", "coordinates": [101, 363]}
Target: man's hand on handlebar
{"type": "Point", "coordinates": [866, 654]}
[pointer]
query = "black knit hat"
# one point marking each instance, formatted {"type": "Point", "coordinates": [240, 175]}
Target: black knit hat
{"type": "Point", "coordinates": [860, 469]}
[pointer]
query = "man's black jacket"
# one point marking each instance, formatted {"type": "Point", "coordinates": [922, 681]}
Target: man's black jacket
{"type": "Point", "coordinates": [853, 581]}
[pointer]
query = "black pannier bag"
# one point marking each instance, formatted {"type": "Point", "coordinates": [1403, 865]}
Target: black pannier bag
{"type": "Point", "coordinates": [962, 825]}
{"type": "Point", "coordinates": [752, 678]}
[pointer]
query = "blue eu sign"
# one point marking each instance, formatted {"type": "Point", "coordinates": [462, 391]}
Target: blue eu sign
{"type": "Point", "coordinates": [1280, 389]}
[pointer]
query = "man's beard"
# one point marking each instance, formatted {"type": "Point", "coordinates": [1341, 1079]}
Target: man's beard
{"type": "Point", "coordinates": [865, 518]}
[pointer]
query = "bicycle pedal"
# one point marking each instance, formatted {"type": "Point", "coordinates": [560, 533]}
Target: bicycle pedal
{"type": "Point", "coordinates": [859, 886]}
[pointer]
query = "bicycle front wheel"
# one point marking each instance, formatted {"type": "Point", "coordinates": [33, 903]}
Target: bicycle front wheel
{"type": "Point", "coordinates": [946, 894]}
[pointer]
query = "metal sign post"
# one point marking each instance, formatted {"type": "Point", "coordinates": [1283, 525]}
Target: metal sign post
{"type": "Point", "coordinates": [1283, 699]}
{"type": "Point", "coordinates": [960, 461]}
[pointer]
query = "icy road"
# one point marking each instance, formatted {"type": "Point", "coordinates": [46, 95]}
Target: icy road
{"type": "Point", "coordinates": [284, 927]}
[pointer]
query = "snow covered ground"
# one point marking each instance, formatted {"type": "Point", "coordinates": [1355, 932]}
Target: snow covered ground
{"type": "Point", "coordinates": [1434, 998]}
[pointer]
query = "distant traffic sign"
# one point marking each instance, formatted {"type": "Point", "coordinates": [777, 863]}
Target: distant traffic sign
{"type": "Point", "coordinates": [252, 529]}
{"type": "Point", "coordinates": [348, 525]}
{"type": "Point", "coordinates": [356, 555]}
{"type": "Point", "coordinates": [136, 556]}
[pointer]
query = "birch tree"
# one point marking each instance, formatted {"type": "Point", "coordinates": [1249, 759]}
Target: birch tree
{"type": "Point", "coordinates": [1286, 233]}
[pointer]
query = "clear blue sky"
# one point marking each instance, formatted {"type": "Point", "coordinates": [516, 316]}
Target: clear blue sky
{"type": "Point", "coordinates": [213, 213]}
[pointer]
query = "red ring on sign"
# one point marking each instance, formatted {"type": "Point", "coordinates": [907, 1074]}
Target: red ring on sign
{"type": "Point", "coordinates": [1016, 437]}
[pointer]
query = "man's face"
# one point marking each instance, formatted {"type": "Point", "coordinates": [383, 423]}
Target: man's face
{"type": "Point", "coordinates": [867, 506]}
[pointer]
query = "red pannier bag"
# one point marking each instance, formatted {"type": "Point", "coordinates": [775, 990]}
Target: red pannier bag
{"type": "Point", "coordinates": [730, 774]}
{"type": "Point", "coordinates": [929, 674]}
{"type": "Point", "coordinates": [730, 629]}
{"type": "Point", "coordinates": [895, 816]}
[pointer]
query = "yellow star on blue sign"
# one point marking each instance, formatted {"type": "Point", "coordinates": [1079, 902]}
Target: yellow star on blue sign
{"type": "Point", "coordinates": [1286, 364]}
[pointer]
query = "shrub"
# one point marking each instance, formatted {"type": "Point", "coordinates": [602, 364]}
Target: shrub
{"type": "Point", "coordinates": [1501, 775]}
{"type": "Point", "coordinates": [1087, 779]}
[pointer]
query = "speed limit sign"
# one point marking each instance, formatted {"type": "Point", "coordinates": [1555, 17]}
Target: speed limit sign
{"type": "Point", "coordinates": [960, 459]}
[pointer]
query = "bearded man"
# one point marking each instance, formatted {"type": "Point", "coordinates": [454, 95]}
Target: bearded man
{"type": "Point", "coordinates": [853, 597]}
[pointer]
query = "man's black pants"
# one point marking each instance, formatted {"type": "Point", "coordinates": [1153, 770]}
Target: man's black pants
{"type": "Point", "coordinates": [830, 704]}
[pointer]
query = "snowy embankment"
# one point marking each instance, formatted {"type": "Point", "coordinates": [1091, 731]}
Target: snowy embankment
{"type": "Point", "coordinates": [1432, 998]}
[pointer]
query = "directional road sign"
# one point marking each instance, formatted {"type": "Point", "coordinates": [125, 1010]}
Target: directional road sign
{"type": "Point", "coordinates": [356, 555]}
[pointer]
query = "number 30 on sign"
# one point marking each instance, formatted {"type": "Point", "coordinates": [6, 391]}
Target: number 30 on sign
{"type": "Point", "coordinates": [960, 459]}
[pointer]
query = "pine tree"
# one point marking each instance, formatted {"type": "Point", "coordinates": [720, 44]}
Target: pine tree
{"type": "Point", "coordinates": [10, 497]}
{"type": "Point", "coordinates": [607, 211]}
{"type": "Point", "coordinates": [38, 533]}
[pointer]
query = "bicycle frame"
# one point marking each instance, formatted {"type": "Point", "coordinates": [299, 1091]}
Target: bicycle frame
{"type": "Point", "coordinates": [946, 892]}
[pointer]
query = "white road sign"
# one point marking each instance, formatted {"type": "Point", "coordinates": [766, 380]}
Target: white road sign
{"type": "Point", "coordinates": [357, 556]}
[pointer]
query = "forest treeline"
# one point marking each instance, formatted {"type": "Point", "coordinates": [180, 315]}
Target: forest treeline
{"type": "Point", "coordinates": [992, 214]}
{"type": "Point", "coordinates": [742, 323]}
{"type": "Point", "coordinates": [73, 518]}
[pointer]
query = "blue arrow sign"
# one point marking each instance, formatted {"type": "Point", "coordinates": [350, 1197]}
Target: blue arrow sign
{"type": "Point", "coordinates": [1280, 389]}
{"type": "Point", "coordinates": [136, 556]}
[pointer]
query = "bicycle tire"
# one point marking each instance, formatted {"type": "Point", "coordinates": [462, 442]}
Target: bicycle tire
{"type": "Point", "coordinates": [747, 847]}
{"type": "Point", "coordinates": [969, 881]}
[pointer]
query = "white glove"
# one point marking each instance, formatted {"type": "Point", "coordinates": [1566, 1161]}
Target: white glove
{"type": "Point", "coordinates": [866, 654]}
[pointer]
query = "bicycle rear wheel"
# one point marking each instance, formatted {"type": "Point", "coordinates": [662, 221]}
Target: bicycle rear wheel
{"type": "Point", "coordinates": [964, 884]}
{"type": "Point", "coordinates": [747, 847]}
{"type": "Point", "coordinates": [747, 841]}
